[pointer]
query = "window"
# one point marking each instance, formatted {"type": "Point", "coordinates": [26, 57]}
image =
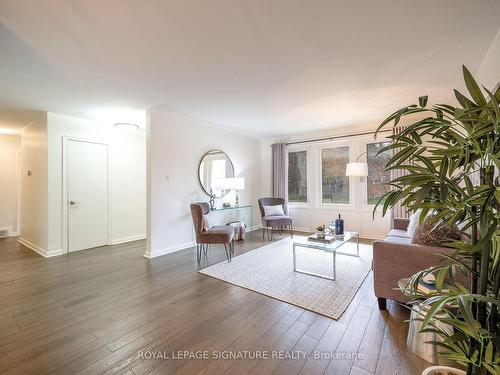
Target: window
{"type": "Point", "coordinates": [218, 172]}
{"type": "Point", "coordinates": [377, 176]}
{"type": "Point", "coordinates": [297, 176]}
{"type": "Point", "coordinates": [334, 182]}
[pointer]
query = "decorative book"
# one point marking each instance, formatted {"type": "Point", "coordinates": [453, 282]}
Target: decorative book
{"type": "Point", "coordinates": [428, 288]}
{"type": "Point", "coordinates": [327, 239]}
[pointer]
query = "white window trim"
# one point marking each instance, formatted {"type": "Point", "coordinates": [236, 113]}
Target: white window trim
{"type": "Point", "coordinates": [334, 206]}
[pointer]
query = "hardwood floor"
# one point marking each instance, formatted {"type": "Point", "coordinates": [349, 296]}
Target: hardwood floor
{"type": "Point", "coordinates": [96, 311]}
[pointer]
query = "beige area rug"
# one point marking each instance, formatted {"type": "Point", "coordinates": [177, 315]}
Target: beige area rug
{"type": "Point", "coordinates": [269, 271]}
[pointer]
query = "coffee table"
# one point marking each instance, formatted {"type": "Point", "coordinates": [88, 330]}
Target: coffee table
{"type": "Point", "coordinates": [333, 247]}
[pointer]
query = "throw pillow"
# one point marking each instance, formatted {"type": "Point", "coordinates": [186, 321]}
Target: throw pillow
{"type": "Point", "coordinates": [274, 210]}
{"type": "Point", "coordinates": [413, 224]}
{"type": "Point", "coordinates": [434, 234]}
{"type": "Point", "coordinates": [205, 225]}
{"type": "Point", "coordinates": [208, 221]}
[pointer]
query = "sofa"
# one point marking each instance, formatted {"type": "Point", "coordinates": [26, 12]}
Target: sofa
{"type": "Point", "coordinates": [396, 258]}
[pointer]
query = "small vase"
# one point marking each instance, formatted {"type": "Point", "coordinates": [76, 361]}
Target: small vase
{"type": "Point", "coordinates": [445, 370]}
{"type": "Point", "coordinates": [339, 226]}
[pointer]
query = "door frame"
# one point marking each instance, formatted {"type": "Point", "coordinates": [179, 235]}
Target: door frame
{"type": "Point", "coordinates": [65, 190]}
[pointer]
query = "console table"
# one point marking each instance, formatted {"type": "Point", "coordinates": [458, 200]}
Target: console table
{"type": "Point", "coordinates": [224, 215]}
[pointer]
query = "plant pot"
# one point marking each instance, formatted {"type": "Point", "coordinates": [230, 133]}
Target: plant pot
{"type": "Point", "coordinates": [442, 370]}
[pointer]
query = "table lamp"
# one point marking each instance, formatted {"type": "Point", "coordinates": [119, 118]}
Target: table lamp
{"type": "Point", "coordinates": [236, 184]}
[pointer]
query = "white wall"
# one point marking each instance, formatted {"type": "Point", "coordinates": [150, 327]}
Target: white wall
{"type": "Point", "coordinates": [489, 72]}
{"type": "Point", "coordinates": [128, 186]}
{"type": "Point", "coordinates": [127, 176]}
{"type": "Point", "coordinates": [34, 188]}
{"type": "Point", "coordinates": [10, 150]}
{"type": "Point", "coordinates": [176, 145]}
{"type": "Point", "coordinates": [358, 215]}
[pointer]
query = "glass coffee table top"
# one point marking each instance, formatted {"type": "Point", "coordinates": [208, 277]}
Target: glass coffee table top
{"type": "Point", "coordinates": [339, 241]}
{"type": "Point", "coordinates": [305, 242]}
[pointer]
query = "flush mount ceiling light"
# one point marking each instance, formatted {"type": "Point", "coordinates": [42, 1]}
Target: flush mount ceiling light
{"type": "Point", "coordinates": [126, 125]}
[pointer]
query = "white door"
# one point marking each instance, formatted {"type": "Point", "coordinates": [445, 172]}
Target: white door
{"type": "Point", "coordinates": [87, 194]}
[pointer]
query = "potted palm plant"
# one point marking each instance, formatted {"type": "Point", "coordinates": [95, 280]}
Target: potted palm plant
{"type": "Point", "coordinates": [450, 158]}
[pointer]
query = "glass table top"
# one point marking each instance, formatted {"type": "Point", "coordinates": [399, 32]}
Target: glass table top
{"type": "Point", "coordinates": [232, 207]}
{"type": "Point", "coordinates": [339, 241]}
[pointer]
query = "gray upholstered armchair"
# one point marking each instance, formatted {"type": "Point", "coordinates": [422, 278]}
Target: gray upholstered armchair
{"type": "Point", "coordinates": [223, 234]}
{"type": "Point", "coordinates": [275, 222]}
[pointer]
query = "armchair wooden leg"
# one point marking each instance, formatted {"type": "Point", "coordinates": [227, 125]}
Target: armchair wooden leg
{"type": "Point", "coordinates": [382, 303]}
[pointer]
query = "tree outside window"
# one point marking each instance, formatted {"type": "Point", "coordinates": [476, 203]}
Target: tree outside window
{"type": "Point", "coordinates": [297, 176]}
{"type": "Point", "coordinates": [334, 182]}
{"type": "Point", "coordinates": [378, 177]}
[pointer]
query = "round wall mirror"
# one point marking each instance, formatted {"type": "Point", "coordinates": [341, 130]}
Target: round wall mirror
{"type": "Point", "coordinates": [214, 167]}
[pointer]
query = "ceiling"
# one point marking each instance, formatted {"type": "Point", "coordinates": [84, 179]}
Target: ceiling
{"type": "Point", "coordinates": [13, 120]}
{"type": "Point", "coordinates": [261, 67]}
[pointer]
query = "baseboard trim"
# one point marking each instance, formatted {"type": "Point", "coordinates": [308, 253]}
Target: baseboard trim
{"type": "Point", "coordinates": [30, 245]}
{"type": "Point", "coordinates": [372, 237]}
{"type": "Point", "coordinates": [6, 231]}
{"type": "Point", "coordinates": [168, 250]}
{"type": "Point", "coordinates": [128, 239]}
{"type": "Point", "coordinates": [295, 229]}
{"type": "Point", "coordinates": [299, 229]}
{"type": "Point", "coordinates": [187, 245]}
{"type": "Point", "coordinates": [41, 251]}
{"type": "Point", "coordinates": [173, 249]}
{"type": "Point", "coordinates": [55, 253]}
{"type": "Point", "coordinates": [13, 234]}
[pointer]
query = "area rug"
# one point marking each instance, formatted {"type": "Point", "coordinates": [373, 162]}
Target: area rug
{"type": "Point", "coordinates": [269, 270]}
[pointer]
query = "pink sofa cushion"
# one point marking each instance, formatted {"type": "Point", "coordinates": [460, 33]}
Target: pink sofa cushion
{"type": "Point", "coordinates": [396, 239]}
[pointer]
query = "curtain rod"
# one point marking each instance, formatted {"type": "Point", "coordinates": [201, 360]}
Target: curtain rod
{"type": "Point", "coordinates": [335, 137]}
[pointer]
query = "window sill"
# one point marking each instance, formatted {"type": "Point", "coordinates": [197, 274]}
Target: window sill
{"type": "Point", "coordinates": [298, 206]}
{"type": "Point", "coordinates": [336, 206]}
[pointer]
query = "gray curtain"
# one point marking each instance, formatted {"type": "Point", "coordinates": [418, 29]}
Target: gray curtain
{"type": "Point", "coordinates": [398, 210]}
{"type": "Point", "coordinates": [280, 170]}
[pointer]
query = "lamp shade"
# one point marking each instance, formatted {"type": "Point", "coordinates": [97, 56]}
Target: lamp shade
{"type": "Point", "coordinates": [356, 169]}
{"type": "Point", "coordinates": [219, 183]}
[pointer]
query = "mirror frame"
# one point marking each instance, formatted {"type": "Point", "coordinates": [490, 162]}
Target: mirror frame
{"type": "Point", "coordinates": [199, 166]}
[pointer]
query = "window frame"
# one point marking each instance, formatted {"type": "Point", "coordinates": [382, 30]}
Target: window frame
{"type": "Point", "coordinates": [305, 204]}
{"type": "Point", "coordinates": [335, 206]}
{"type": "Point", "coordinates": [368, 207]}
